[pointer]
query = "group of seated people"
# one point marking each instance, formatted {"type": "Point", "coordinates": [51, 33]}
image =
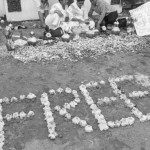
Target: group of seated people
{"type": "Point", "coordinates": [61, 17]}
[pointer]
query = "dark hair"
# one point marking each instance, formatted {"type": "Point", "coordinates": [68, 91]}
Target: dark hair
{"type": "Point", "coordinates": [46, 1]}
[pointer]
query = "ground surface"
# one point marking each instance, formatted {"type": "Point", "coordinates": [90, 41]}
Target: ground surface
{"type": "Point", "coordinates": [17, 78]}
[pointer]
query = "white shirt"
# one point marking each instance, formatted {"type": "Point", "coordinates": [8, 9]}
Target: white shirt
{"type": "Point", "coordinates": [75, 12]}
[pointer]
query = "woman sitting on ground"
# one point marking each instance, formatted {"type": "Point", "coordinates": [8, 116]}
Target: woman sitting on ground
{"type": "Point", "coordinates": [107, 14]}
{"type": "Point", "coordinates": [56, 17]}
{"type": "Point", "coordinates": [43, 10]}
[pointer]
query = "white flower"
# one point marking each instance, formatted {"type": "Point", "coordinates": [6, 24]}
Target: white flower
{"type": "Point", "coordinates": [88, 128]}
{"type": "Point", "coordinates": [75, 93]}
{"type": "Point", "coordinates": [68, 116]}
{"type": "Point", "coordinates": [73, 104]}
{"type": "Point", "coordinates": [22, 97]}
{"type": "Point", "coordinates": [103, 126]}
{"type": "Point", "coordinates": [14, 99]}
{"type": "Point", "coordinates": [143, 118]}
{"type": "Point", "coordinates": [6, 100]}
{"type": "Point", "coordinates": [68, 90]}
{"type": "Point", "coordinates": [62, 112]}
{"type": "Point", "coordinates": [31, 96]}
{"type": "Point", "coordinates": [57, 108]}
{"type": "Point", "coordinates": [67, 106]}
{"type": "Point", "coordinates": [111, 124]}
{"type": "Point", "coordinates": [22, 115]}
{"type": "Point", "coordinates": [83, 123]}
{"type": "Point", "coordinates": [48, 35]}
{"type": "Point", "coordinates": [60, 90]}
{"type": "Point", "coordinates": [1, 100]}
{"type": "Point", "coordinates": [15, 115]}
{"type": "Point", "coordinates": [8, 117]}
{"type": "Point", "coordinates": [102, 82]}
{"type": "Point", "coordinates": [148, 116]}
{"type": "Point", "coordinates": [76, 120]}
{"type": "Point", "coordinates": [30, 114]}
{"type": "Point", "coordinates": [113, 98]}
{"type": "Point", "coordinates": [52, 92]}
{"type": "Point", "coordinates": [93, 106]}
{"type": "Point", "coordinates": [52, 136]}
{"type": "Point", "coordinates": [77, 100]}
{"type": "Point", "coordinates": [117, 123]}
{"type": "Point", "coordinates": [131, 120]}
{"type": "Point", "coordinates": [106, 100]}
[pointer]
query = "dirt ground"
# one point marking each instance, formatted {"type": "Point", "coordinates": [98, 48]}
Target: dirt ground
{"type": "Point", "coordinates": [17, 78]}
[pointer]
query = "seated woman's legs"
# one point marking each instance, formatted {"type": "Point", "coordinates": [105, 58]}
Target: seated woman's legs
{"type": "Point", "coordinates": [41, 17]}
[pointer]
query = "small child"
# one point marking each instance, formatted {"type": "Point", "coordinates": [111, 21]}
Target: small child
{"type": "Point", "coordinates": [9, 39]}
{"type": "Point", "coordinates": [43, 11]}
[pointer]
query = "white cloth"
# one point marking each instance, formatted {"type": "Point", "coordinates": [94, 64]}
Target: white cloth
{"type": "Point", "coordinates": [75, 12]}
{"type": "Point", "coordinates": [53, 20]}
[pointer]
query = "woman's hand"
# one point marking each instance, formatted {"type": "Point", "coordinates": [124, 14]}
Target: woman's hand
{"type": "Point", "coordinates": [59, 13]}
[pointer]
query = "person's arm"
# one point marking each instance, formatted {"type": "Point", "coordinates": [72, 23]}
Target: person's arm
{"type": "Point", "coordinates": [56, 9]}
{"type": "Point", "coordinates": [91, 11]}
{"type": "Point", "coordinates": [102, 13]}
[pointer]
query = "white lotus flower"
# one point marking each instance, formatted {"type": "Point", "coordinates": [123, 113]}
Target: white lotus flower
{"type": "Point", "coordinates": [88, 128]}
{"type": "Point", "coordinates": [22, 97]}
{"type": "Point", "coordinates": [93, 106]}
{"type": "Point", "coordinates": [102, 82]}
{"type": "Point", "coordinates": [131, 120]}
{"type": "Point", "coordinates": [57, 108]}
{"type": "Point", "coordinates": [73, 104]}
{"type": "Point", "coordinates": [6, 100]}
{"type": "Point", "coordinates": [30, 114]}
{"type": "Point", "coordinates": [49, 120]}
{"type": "Point", "coordinates": [67, 106]}
{"type": "Point", "coordinates": [75, 93]}
{"type": "Point", "coordinates": [113, 98]}
{"type": "Point", "coordinates": [15, 115]}
{"type": "Point", "coordinates": [62, 112]}
{"type": "Point", "coordinates": [76, 120]}
{"type": "Point", "coordinates": [8, 117]}
{"type": "Point", "coordinates": [83, 123]}
{"type": "Point", "coordinates": [60, 90]}
{"type": "Point", "coordinates": [77, 100]}
{"type": "Point", "coordinates": [68, 90]}
{"type": "Point", "coordinates": [68, 116]}
{"type": "Point", "coordinates": [31, 96]}
{"type": "Point", "coordinates": [14, 99]}
{"type": "Point", "coordinates": [117, 123]}
{"type": "Point", "coordinates": [1, 100]}
{"type": "Point", "coordinates": [52, 92]}
{"type": "Point", "coordinates": [103, 127]}
{"type": "Point", "coordinates": [22, 115]}
{"type": "Point", "coordinates": [111, 124]}
{"type": "Point", "coordinates": [143, 118]}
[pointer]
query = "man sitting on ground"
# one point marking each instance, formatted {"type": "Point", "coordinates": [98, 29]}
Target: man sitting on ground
{"type": "Point", "coordinates": [107, 14]}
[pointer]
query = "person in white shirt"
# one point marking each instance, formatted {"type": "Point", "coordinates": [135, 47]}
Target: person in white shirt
{"type": "Point", "coordinates": [78, 13]}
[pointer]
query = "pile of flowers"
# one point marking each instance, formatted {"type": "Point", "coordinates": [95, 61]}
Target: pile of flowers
{"type": "Point", "coordinates": [6, 100]}
{"type": "Point", "coordinates": [102, 124]}
{"type": "Point", "coordinates": [63, 111]}
{"type": "Point", "coordinates": [2, 137]}
{"type": "Point", "coordinates": [17, 115]}
{"type": "Point", "coordinates": [48, 116]}
{"type": "Point", "coordinates": [138, 94]}
{"type": "Point", "coordinates": [75, 50]}
{"type": "Point", "coordinates": [106, 100]}
{"type": "Point", "coordinates": [123, 122]}
{"type": "Point", "coordinates": [128, 102]}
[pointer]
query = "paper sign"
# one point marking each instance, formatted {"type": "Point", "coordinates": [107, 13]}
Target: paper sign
{"type": "Point", "coordinates": [142, 17]}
